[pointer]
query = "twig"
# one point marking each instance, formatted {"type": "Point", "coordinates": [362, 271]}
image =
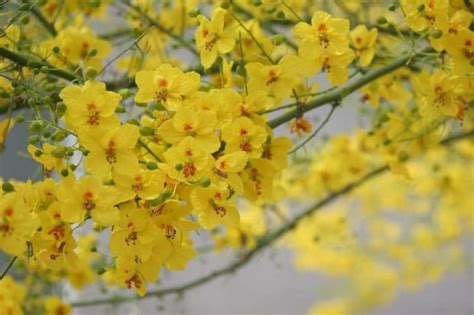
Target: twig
{"type": "Point", "coordinates": [325, 121]}
{"type": "Point", "coordinates": [4, 273]}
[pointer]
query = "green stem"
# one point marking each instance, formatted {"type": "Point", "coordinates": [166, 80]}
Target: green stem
{"type": "Point", "coordinates": [48, 26]}
{"type": "Point", "coordinates": [27, 62]}
{"type": "Point", "coordinates": [268, 239]}
{"type": "Point", "coordinates": [338, 94]}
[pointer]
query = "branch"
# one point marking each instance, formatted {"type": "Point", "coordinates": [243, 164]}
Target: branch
{"type": "Point", "coordinates": [48, 26]}
{"type": "Point", "coordinates": [267, 240]}
{"type": "Point", "coordinates": [338, 94]}
{"type": "Point", "coordinates": [4, 273]}
{"type": "Point", "coordinates": [25, 61]}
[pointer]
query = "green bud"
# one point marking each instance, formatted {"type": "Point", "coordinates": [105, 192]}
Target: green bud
{"type": "Point", "coordinates": [91, 73]}
{"type": "Point", "coordinates": [436, 33]}
{"type": "Point", "coordinates": [162, 198]}
{"type": "Point", "coordinates": [7, 187]}
{"type": "Point", "coordinates": [73, 167]}
{"type": "Point", "coordinates": [151, 165]}
{"type": "Point", "coordinates": [133, 121]}
{"type": "Point", "coordinates": [179, 166]}
{"type": "Point", "coordinates": [91, 53]}
{"type": "Point", "coordinates": [60, 135]}
{"type": "Point", "coordinates": [421, 7]}
{"type": "Point", "coordinates": [146, 131]}
{"type": "Point", "coordinates": [381, 20]}
{"type": "Point", "coordinates": [31, 102]}
{"type": "Point", "coordinates": [125, 93]}
{"type": "Point", "coordinates": [158, 106]}
{"type": "Point", "coordinates": [93, 249]}
{"type": "Point", "coordinates": [25, 19]}
{"type": "Point", "coordinates": [472, 62]}
{"type": "Point", "coordinates": [278, 39]}
{"type": "Point", "coordinates": [36, 126]}
{"type": "Point", "coordinates": [269, 9]}
{"type": "Point", "coordinates": [59, 151]}
{"type": "Point", "coordinates": [101, 271]}
{"type": "Point", "coordinates": [257, 3]}
{"type": "Point", "coordinates": [194, 12]}
{"type": "Point", "coordinates": [38, 153]}
{"type": "Point", "coordinates": [56, 49]}
{"type": "Point", "coordinates": [392, 7]}
{"type": "Point", "coordinates": [225, 4]}
{"type": "Point", "coordinates": [46, 134]}
{"type": "Point", "coordinates": [387, 142]}
{"type": "Point", "coordinates": [33, 139]}
{"type": "Point", "coordinates": [204, 182]}
{"type": "Point", "coordinates": [44, 69]}
{"type": "Point", "coordinates": [65, 172]}
{"type": "Point", "coordinates": [49, 87]}
{"type": "Point", "coordinates": [280, 15]}
{"type": "Point", "coordinates": [20, 118]}
{"type": "Point", "coordinates": [60, 109]}
{"type": "Point", "coordinates": [120, 109]}
{"type": "Point", "coordinates": [47, 99]}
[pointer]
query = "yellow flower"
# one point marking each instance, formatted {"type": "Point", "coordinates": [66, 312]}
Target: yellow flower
{"type": "Point", "coordinates": [423, 14]}
{"type": "Point", "coordinates": [5, 126]}
{"type": "Point", "coordinates": [190, 122]}
{"type": "Point", "coordinates": [17, 223]}
{"type": "Point", "coordinates": [74, 44]}
{"type": "Point", "coordinates": [214, 207]}
{"type": "Point", "coordinates": [54, 244]}
{"type": "Point", "coordinates": [277, 80]}
{"type": "Point", "coordinates": [363, 42]}
{"type": "Point", "coordinates": [333, 63]}
{"type": "Point", "coordinates": [439, 94]}
{"type": "Point", "coordinates": [212, 38]}
{"type": "Point", "coordinates": [276, 151]}
{"type": "Point", "coordinates": [88, 196]}
{"type": "Point", "coordinates": [135, 234]}
{"type": "Point", "coordinates": [244, 135]}
{"type": "Point", "coordinates": [90, 107]}
{"type": "Point", "coordinates": [46, 158]}
{"type": "Point", "coordinates": [54, 306]}
{"type": "Point", "coordinates": [187, 161]}
{"type": "Point", "coordinates": [113, 153]}
{"type": "Point", "coordinates": [461, 47]}
{"type": "Point", "coordinates": [167, 85]}
{"type": "Point", "coordinates": [227, 168]}
{"type": "Point", "coordinates": [258, 179]}
{"type": "Point", "coordinates": [145, 184]}
{"type": "Point", "coordinates": [325, 31]}
{"type": "Point", "coordinates": [12, 296]}
{"type": "Point", "coordinates": [458, 23]}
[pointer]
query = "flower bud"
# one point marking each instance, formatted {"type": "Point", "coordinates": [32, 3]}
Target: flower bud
{"type": "Point", "coordinates": [204, 182]}
{"type": "Point", "coordinates": [151, 165]}
{"type": "Point", "coordinates": [381, 20]}
{"type": "Point", "coordinates": [7, 187]}
{"type": "Point", "coordinates": [436, 33]}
